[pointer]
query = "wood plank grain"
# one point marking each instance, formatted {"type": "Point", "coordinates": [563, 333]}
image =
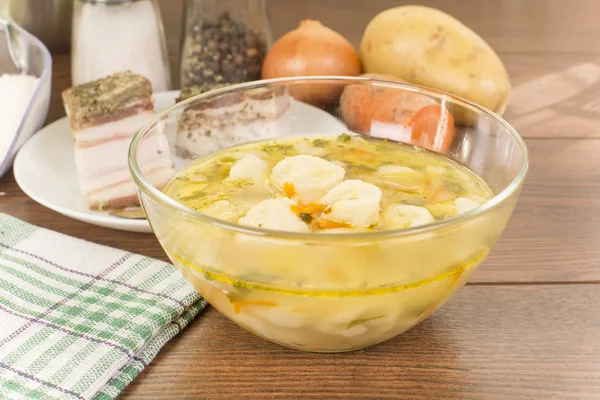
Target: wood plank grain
{"type": "Point", "coordinates": [504, 342]}
{"type": "Point", "coordinates": [515, 26]}
{"type": "Point", "coordinates": [558, 100]}
{"type": "Point", "coordinates": [552, 235]}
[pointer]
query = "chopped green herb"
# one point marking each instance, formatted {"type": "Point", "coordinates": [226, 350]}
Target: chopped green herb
{"type": "Point", "coordinates": [453, 187]}
{"type": "Point", "coordinates": [320, 143]}
{"type": "Point", "coordinates": [236, 296]}
{"type": "Point", "coordinates": [194, 196]}
{"type": "Point", "coordinates": [384, 146]}
{"type": "Point", "coordinates": [228, 159]}
{"type": "Point", "coordinates": [362, 321]}
{"type": "Point", "coordinates": [416, 202]}
{"type": "Point", "coordinates": [362, 167]}
{"type": "Point", "coordinates": [444, 215]}
{"type": "Point", "coordinates": [278, 147]}
{"type": "Point", "coordinates": [239, 285]}
{"type": "Point", "coordinates": [209, 277]}
{"type": "Point", "coordinates": [306, 217]}
{"type": "Point", "coordinates": [238, 184]}
{"type": "Point", "coordinates": [344, 138]}
{"type": "Point", "coordinates": [183, 178]}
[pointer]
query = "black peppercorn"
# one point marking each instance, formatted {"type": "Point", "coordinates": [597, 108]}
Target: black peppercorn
{"type": "Point", "coordinates": [250, 40]}
{"type": "Point", "coordinates": [222, 52]}
{"type": "Point", "coordinates": [251, 52]}
{"type": "Point", "coordinates": [212, 45]}
{"type": "Point", "coordinates": [238, 59]}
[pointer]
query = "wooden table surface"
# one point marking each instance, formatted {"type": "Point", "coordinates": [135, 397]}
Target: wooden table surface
{"type": "Point", "coordinates": [527, 326]}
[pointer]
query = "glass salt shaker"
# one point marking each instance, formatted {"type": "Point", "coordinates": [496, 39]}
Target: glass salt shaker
{"type": "Point", "coordinates": [224, 42]}
{"type": "Point", "coordinates": [110, 36]}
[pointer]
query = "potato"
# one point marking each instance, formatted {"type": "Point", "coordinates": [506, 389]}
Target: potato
{"type": "Point", "coordinates": [429, 48]}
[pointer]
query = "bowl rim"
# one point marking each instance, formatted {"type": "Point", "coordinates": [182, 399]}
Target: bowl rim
{"type": "Point", "coordinates": [496, 201]}
{"type": "Point", "coordinates": [6, 162]}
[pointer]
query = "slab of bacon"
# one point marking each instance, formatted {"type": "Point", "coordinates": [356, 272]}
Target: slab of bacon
{"type": "Point", "coordinates": [105, 115]}
{"type": "Point", "coordinates": [230, 119]}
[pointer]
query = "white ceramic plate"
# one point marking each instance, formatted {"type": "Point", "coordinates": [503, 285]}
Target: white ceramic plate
{"type": "Point", "coordinates": [45, 166]}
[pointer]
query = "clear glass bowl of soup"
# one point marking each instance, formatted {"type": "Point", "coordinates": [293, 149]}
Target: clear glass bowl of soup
{"type": "Point", "coordinates": [329, 214]}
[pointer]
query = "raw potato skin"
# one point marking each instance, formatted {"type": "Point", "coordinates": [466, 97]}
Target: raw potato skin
{"type": "Point", "coordinates": [430, 48]}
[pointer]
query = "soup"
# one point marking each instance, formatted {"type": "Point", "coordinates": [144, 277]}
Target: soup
{"type": "Point", "coordinates": [332, 295]}
{"type": "Point", "coordinates": [329, 185]}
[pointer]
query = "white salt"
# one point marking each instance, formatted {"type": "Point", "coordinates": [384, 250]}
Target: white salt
{"type": "Point", "coordinates": [110, 38]}
{"type": "Point", "coordinates": [16, 91]}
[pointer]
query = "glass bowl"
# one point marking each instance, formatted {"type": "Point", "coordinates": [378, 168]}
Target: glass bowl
{"type": "Point", "coordinates": [22, 52]}
{"type": "Point", "coordinates": [327, 292]}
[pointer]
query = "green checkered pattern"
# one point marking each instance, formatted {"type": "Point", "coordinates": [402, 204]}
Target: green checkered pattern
{"type": "Point", "coordinates": [79, 320]}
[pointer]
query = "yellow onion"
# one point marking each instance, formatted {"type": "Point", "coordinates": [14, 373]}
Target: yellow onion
{"type": "Point", "coordinates": [309, 50]}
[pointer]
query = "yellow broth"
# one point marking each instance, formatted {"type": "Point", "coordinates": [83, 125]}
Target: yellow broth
{"type": "Point", "coordinates": [424, 179]}
{"type": "Point", "coordinates": [338, 295]}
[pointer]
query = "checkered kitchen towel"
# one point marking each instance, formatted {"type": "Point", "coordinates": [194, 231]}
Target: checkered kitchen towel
{"type": "Point", "coordinates": [79, 320]}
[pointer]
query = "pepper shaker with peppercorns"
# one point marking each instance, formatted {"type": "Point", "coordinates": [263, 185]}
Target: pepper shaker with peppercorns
{"type": "Point", "coordinates": [224, 42]}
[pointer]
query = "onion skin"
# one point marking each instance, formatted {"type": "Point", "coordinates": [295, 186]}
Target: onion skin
{"type": "Point", "coordinates": [312, 49]}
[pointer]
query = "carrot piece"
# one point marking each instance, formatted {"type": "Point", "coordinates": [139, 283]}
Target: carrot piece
{"type": "Point", "coordinates": [427, 183]}
{"type": "Point", "coordinates": [436, 192]}
{"type": "Point", "coordinates": [356, 109]}
{"type": "Point", "coordinates": [311, 208]}
{"type": "Point", "coordinates": [238, 304]}
{"type": "Point", "coordinates": [431, 309]}
{"type": "Point", "coordinates": [329, 224]}
{"type": "Point", "coordinates": [289, 189]}
{"type": "Point", "coordinates": [432, 127]}
{"type": "Point", "coordinates": [361, 104]}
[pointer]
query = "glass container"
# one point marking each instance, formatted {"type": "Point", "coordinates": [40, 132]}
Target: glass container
{"type": "Point", "coordinates": [21, 52]}
{"type": "Point", "coordinates": [329, 292]}
{"type": "Point", "coordinates": [223, 42]}
{"type": "Point", "coordinates": [111, 36]}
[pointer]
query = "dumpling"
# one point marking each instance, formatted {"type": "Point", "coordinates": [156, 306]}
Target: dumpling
{"type": "Point", "coordinates": [354, 202]}
{"type": "Point", "coordinates": [305, 177]}
{"type": "Point", "coordinates": [274, 214]}
{"type": "Point", "coordinates": [249, 168]}
{"type": "Point", "coordinates": [406, 216]}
